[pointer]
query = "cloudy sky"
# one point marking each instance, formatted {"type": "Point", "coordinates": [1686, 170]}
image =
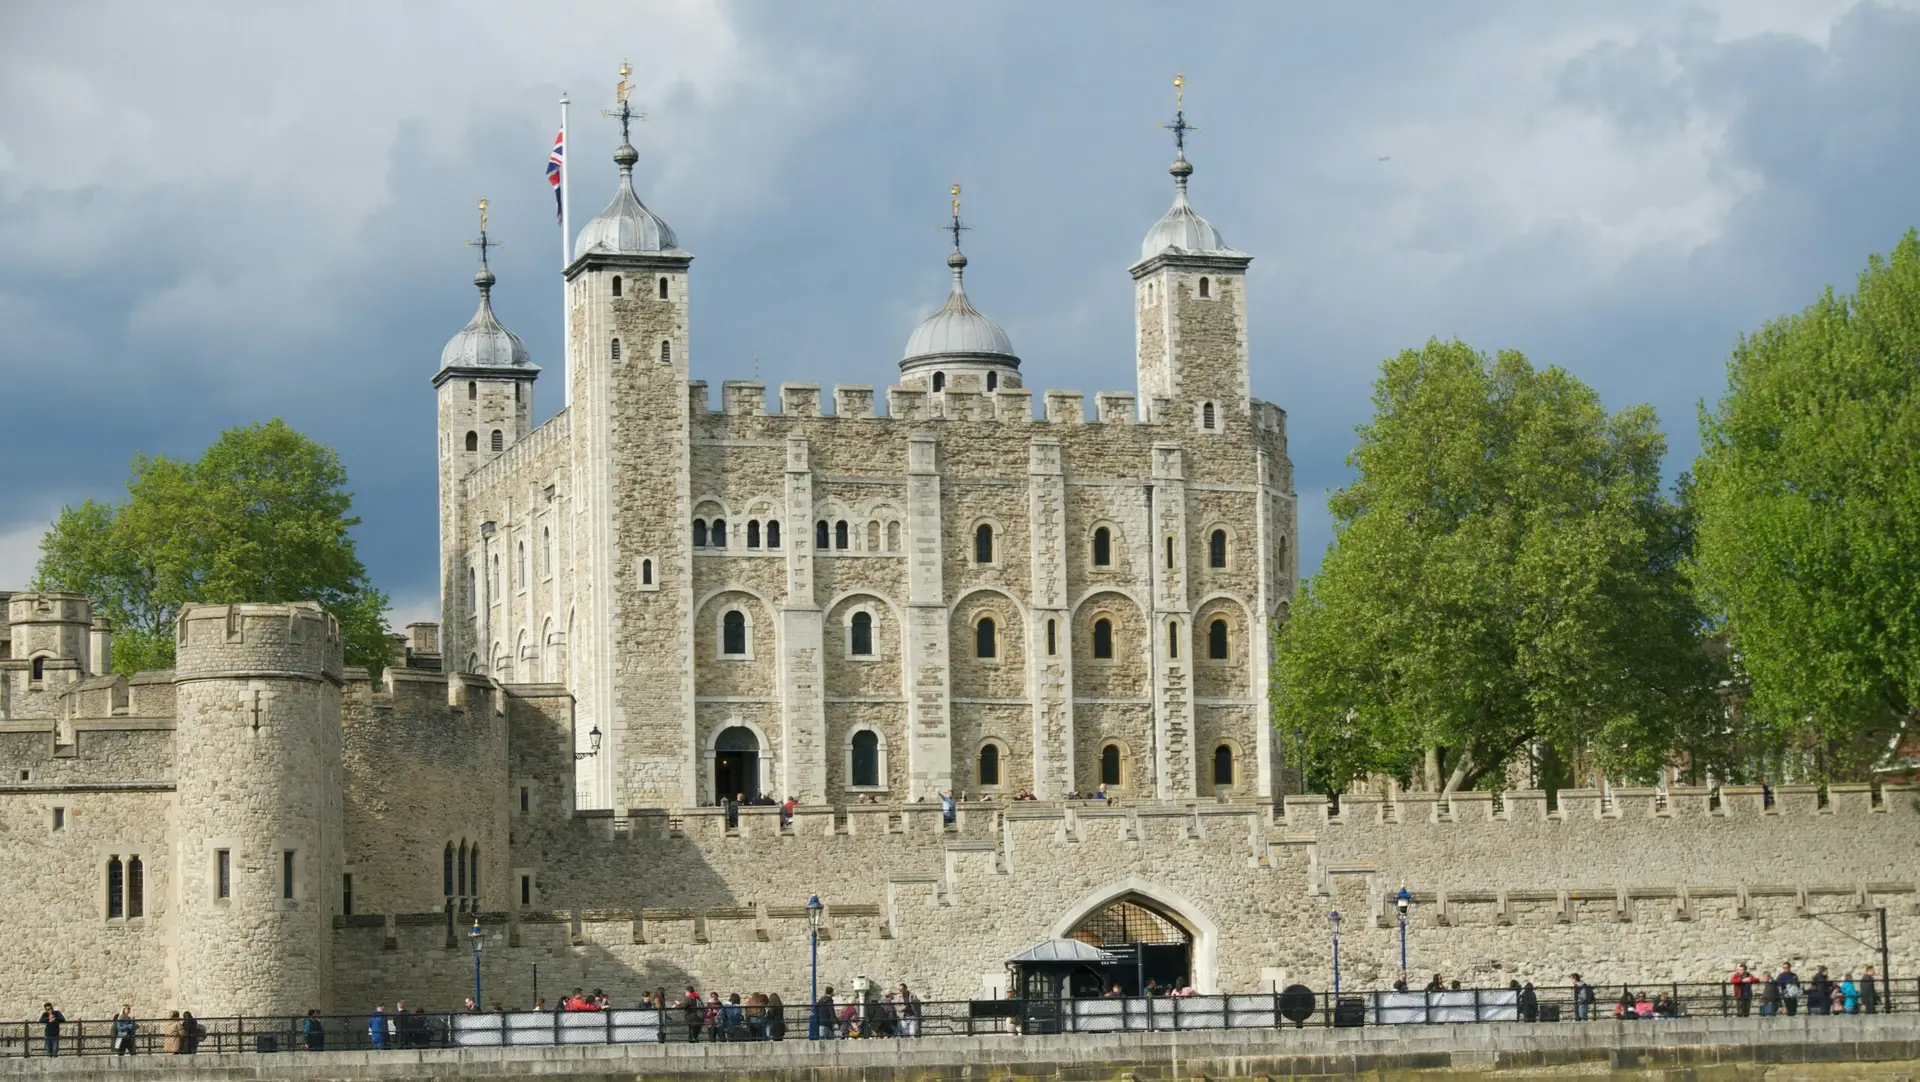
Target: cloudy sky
{"type": "Point", "coordinates": [212, 213]}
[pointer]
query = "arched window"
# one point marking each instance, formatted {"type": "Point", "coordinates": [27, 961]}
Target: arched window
{"type": "Point", "coordinates": [1217, 549]}
{"type": "Point", "coordinates": [893, 537]}
{"type": "Point", "coordinates": [136, 888]}
{"type": "Point", "coordinates": [646, 572]}
{"type": "Point", "coordinates": [1205, 288]}
{"type": "Point", "coordinates": [753, 533]}
{"type": "Point", "coordinates": [473, 390]}
{"type": "Point", "coordinates": [773, 533]}
{"type": "Point", "coordinates": [666, 352]}
{"type": "Point", "coordinates": [473, 441]}
{"type": "Point", "coordinates": [840, 534]}
{"type": "Point", "coordinates": [1223, 765]}
{"type": "Point", "coordinates": [499, 440]}
{"type": "Point", "coordinates": [985, 643]}
{"type": "Point", "coordinates": [983, 544]}
{"type": "Point", "coordinates": [1282, 554]}
{"type": "Point", "coordinates": [496, 576]}
{"type": "Point", "coordinates": [116, 889]}
{"type": "Point", "coordinates": [1110, 765]}
{"type": "Point", "coordinates": [699, 533]}
{"type": "Point", "coordinates": [860, 638]}
{"type": "Point", "coordinates": [866, 759]}
{"type": "Point", "coordinates": [1217, 640]}
{"type": "Point", "coordinates": [616, 349]}
{"type": "Point", "coordinates": [989, 764]}
{"type": "Point", "coordinates": [719, 534]}
{"type": "Point", "coordinates": [460, 874]}
{"type": "Point", "coordinates": [1173, 639]}
{"type": "Point", "coordinates": [1102, 547]}
{"type": "Point", "coordinates": [39, 668]}
{"type": "Point", "coordinates": [473, 587]}
{"type": "Point", "coordinates": [939, 381]}
{"type": "Point", "coordinates": [733, 634]}
{"type": "Point", "coordinates": [473, 872]}
{"type": "Point", "coordinates": [663, 289]}
{"type": "Point", "coordinates": [446, 871]}
{"type": "Point", "coordinates": [523, 563]}
{"type": "Point", "coordinates": [1206, 416]}
{"type": "Point", "coordinates": [516, 393]}
{"type": "Point", "coordinates": [1103, 639]}
{"type": "Point", "coordinates": [993, 381]}
{"type": "Point", "coordinates": [820, 534]}
{"type": "Point", "coordinates": [616, 285]}
{"type": "Point", "coordinates": [873, 537]}
{"type": "Point", "coordinates": [1053, 645]}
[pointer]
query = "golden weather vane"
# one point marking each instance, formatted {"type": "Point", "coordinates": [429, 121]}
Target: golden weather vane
{"type": "Point", "coordinates": [955, 227]}
{"type": "Point", "coordinates": [1179, 127]}
{"type": "Point", "coordinates": [621, 89]}
{"type": "Point", "coordinates": [625, 114]}
{"type": "Point", "coordinates": [956, 199]}
{"type": "Point", "coordinates": [1179, 90]}
{"type": "Point", "coordinates": [484, 242]}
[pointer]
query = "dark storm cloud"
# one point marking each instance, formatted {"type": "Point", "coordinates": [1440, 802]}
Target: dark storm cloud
{"type": "Point", "coordinates": [208, 231]}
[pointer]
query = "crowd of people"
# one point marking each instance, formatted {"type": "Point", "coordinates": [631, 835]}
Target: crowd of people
{"type": "Point", "coordinates": [1781, 990]}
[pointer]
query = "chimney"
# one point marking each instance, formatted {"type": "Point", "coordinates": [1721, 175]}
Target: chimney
{"type": "Point", "coordinates": [100, 647]}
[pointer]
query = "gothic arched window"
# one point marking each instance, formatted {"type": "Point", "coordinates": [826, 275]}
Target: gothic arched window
{"type": "Point", "coordinates": [136, 888]}
{"type": "Point", "coordinates": [646, 572]}
{"type": "Point", "coordinates": [446, 871]}
{"type": "Point", "coordinates": [116, 889]}
{"type": "Point", "coordinates": [473, 390]}
{"type": "Point", "coordinates": [985, 644]}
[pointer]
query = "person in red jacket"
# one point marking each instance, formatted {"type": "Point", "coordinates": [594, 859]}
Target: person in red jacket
{"type": "Point", "coordinates": [1743, 983]}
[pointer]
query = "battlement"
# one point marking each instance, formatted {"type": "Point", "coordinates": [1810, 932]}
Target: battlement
{"type": "Point", "coordinates": [49, 607]}
{"type": "Point", "coordinates": [507, 466]}
{"type": "Point", "coordinates": [853, 401]}
{"type": "Point", "coordinates": [299, 638]}
{"type": "Point", "coordinates": [1306, 811]}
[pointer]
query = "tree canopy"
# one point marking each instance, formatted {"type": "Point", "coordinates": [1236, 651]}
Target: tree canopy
{"type": "Point", "coordinates": [1808, 487]}
{"type": "Point", "coordinates": [262, 516]}
{"type": "Point", "coordinates": [1506, 579]}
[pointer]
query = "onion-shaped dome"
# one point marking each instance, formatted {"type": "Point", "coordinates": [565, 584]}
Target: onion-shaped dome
{"type": "Point", "coordinates": [483, 342]}
{"type": "Point", "coordinates": [959, 331]}
{"type": "Point", "coordinates": [1181, 230]}
{"type": "Point", "coordinates": [626, 227]}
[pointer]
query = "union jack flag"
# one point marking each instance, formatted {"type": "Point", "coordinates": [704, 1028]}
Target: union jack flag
{"type": "Point", "coordinates": [554, 161]}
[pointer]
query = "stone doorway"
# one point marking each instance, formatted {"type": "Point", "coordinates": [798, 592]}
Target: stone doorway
{"type": "Point", "coordinates": [736, 764]}
{"type": "Point", "coordinates": [1157, 947]}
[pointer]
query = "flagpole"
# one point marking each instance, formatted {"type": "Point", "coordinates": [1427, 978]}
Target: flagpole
{"type": "Point", "coordinates": [566, 252]}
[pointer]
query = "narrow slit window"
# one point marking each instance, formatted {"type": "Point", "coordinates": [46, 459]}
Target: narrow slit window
{"type": "Point", "coordinates": [983, 544]}
{"type": "Point", "coordinates": [286, 875]}
{"type": "Point", "coordinates": [39, 671]}
{"type": "Point", "coordinates": [773, 533]}
{"type": "Point", "coordinates": [526, 890]}
{"type": "Point", "coordinates": [733, 634]}
{"type": "Point", "coordinates": [526, 799]}
{"type": "Point", "coordinates": [646, 572]}
{"type": "Point", "coordinates": [1217, 640]}
{"type": "Point", "coordinates": [1217, 549]}
{"type": "Point", "coordinates": [1169, 553]}
{"type": "Point", "coordinates": [223, 873]}
{"type": "Point", "coordinates": [862, 635]}
{"type": "Point", "coordinates": [1102, 547]}
{"type": "Point", "coordinates": [985, 641]}
{"type": "Point", "coordinates": [616, 285]}
{"type": "Point", "coordinates": [346, 894]}
{"type": "Point", "coordinates": [473, 876]}
{"type": "Point", "coordinates": [473, 390]}
{"type": "Point", "coordinates": [1206, 289]}
{"type": "Point", "coordinates": [1173, 639]}
{"type": "Point", "coordinates": [116, 889]}
{"type": "Point", "coordinates": [616, 349]}
{"type": "Point", "coordinates": [663, 289]}
{"type": "Point", "coordinates": [446, 871]}
{"type": "Point", "coordinates": [666, 352]}
{"type": "Point", "coordinates": [1103, 639]}
{"type": "Point", "coordinates": [1206, 416]}
{"type": "Point", "coordinates": [990, 765]}
{"type": "Point", "coordinates": [136, 888]}
{"type": "Point", "coordinates": [59, 818]}
{"type": "Point", "coordinates": [993, 381]}
{"type": "Point", "coordinates": [1053, 645]}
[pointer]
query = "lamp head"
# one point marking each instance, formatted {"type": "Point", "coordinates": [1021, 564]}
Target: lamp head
{"type": "Point", "coordinates": [1334, 919]}
{"type": "Point", "coordinates": [814, 910]}
{"type": "Point", "coordinates": [593, 741]}
{"type": "Point", "coordinates": [1403, 900]}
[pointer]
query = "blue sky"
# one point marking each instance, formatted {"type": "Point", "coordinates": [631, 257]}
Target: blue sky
{"type": "Point", "coordinates": [212, 214]}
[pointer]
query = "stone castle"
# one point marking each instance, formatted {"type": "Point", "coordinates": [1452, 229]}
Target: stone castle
{"type": "Point", "coordinates": [649, 606]}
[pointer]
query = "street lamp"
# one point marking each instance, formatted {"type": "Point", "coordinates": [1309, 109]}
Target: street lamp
{"type": "Point", "coordinates": [814, 911]}
{"type": "Point", "coordinates": [1403, 902]}
{"type": "Point", "coordinates": [474, 938]}
{"type": "Point", "coordinates": [593, 744]}
{"type": "Point", "coordinates": [1333, 918]}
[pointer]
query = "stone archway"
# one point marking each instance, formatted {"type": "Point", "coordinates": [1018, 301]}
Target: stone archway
{"type": "Point", "coordinates": [1161, 913]}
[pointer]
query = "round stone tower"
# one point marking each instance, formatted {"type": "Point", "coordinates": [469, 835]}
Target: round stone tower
{"type": "Point", "coordinates": [258, 797]}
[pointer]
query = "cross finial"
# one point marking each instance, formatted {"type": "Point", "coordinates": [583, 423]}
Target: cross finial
{"type": "Point", "coordinates": [1179, 127]}
{"type": "Point", "coordinates": [483, 243]}
{"type": "Point", "coordinates": [956, 228]}
{"type": "Point", "coordinates": [624, 110]}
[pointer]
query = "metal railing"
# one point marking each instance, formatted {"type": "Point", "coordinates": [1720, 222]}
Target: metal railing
{"type": "Point", "coordinates": [1287, 1009]}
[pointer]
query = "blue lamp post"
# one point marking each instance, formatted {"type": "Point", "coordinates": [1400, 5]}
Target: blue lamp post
{"type": "Point", "coordinates": [474, 938]}
{"type": "Point", "coordinates": [1403, 902]}
{"type": "Point", "coordinates": [1333, 918]}
{"type": "Point", "coordinates": [814, 910]}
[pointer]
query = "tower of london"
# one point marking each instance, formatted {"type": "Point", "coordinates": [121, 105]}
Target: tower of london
{"type": "Point", "coordinates": [899, 609]}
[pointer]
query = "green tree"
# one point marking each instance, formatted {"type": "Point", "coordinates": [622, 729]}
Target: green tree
{"type": "Point", "coordinates": [1505, 579]}
{"type": "Point", "coordinates": [1809, 504]}
{"type": "Point", "coordinates": [262, 516]}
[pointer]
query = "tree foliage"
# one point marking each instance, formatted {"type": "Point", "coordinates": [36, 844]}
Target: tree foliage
{"type": "Point", "coordinates": [1506, 577]}
{"type": "Point", "coordinates": [262, 516]}
{"type": "Point", "coordinates": [1809, 504]}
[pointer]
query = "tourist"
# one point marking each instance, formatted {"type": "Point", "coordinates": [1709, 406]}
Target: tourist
{"type": "Point", "coordinates": [1642, 1006]}
{"type": "Point", "coordinates": [1849, 995]}
{"type": "Point", "coordinates": [1742, 982]}
{"type": "Point", "coordinates": [403, 1023]}
{"type": "Point", "coordinates": [313, 1032]}
{"type": "Point", "coordinates": [1113, 992]}
{"type": "Point", "coordinates": [786, 812]}
{"type": "Point", "coordinates": [1582, 999]}
{"type": "Point", "coordinates": [909, 1012]}
{"type": "Point", "coordinates": [191, 1032]}
{"type": "Point", "coordinates": [124, 1028]}
{"type": "Point", "coordinates": [824, 1018]}
{"type": "Point", "coordinates": [776, 1018]}
{"type": "Point", "coordinates": [378, 1026]}
{"type": "Point", "coordinates": [711, 1016]}
{"type": "Point", "coordinates": [1770, 995]}
{"type": "Point", "coordinates": [886, 1017]}
{"type": "Point", "coordinates": [1789, 983]}
{"type": "Point", "coordinates": [1820, 992]}
{"type": "Point", "coordinates": [732, 1018]}
{"type": "Point", "coordinates": [1436, 984]}
{"type": "Point", "coordinates": [173, 1035]}
{"type": "Point", "coordinates": [1665, 1006]}
{"type": "Point", "coordinates": [691, 1013]}
{"type": "Point", "coordinates": [1529, 1003]}
{"type": "Point", "coordinates": [1869, 992]}
{"type": "Point", "coordinates": [1623, 1008]}
{"type": "Point", "coordinates": [1400, 982]}
{"type": "Point", "coordinates": [50, 1022]}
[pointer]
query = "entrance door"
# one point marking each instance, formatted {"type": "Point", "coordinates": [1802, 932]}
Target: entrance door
{"type": "Point", "coordinates": [736, 764]}
{"type": "Point", "coordinates": [1157, 948]}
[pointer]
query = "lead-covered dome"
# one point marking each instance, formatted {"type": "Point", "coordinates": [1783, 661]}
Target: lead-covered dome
{"type": "Point", "coordinates": [1181, 230]}
{"type": "Point", "coordinates": [484, 342]}
{"type": "Point", "coordinates": [626, 227]}
{"type": "Point", "coordinates": [959, 331]}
